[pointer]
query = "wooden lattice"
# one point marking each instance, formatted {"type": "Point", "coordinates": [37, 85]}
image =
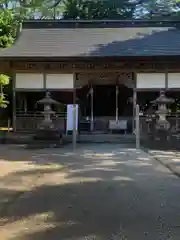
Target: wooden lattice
{"type": "Point", "coordinates": [101, 78]}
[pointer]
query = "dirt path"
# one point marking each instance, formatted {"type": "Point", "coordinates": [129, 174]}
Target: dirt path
{"type": "Point", "coordinates": [103, 192]}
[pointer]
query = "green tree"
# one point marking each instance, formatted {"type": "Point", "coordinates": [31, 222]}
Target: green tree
{"type": "Point", "coordinates": [158, 9]}
{"type": "Point", "coordinates": [99, 9]}
{"type": "Point", "coordinates": [34, 9]}
{"type": "Point", "coordinates": [4, 80]}
{"type": "Point", "coordinates": [8, 26]}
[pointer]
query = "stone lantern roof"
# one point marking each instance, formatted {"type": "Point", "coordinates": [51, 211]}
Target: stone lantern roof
{"type": "Point", "coordinates": [48, 100]}
{"type": "Point", "coordinates": [162, 99]}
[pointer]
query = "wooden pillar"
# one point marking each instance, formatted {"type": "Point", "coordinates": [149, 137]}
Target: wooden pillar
{"type": "Point", "coordinates": [74, 113]}
{"type": "Point", "coordinates": [44, 80]}
{"type": "Point", "coordinates": [166, 80]}
{"type": "Point", "coordinates": [134, 107]}
{"type": "Point", "coordinates": [137, 127]}
{"type": "Point", "coordinates": [14, 102]}
{"type": "Point", "coordinates": [92, 107]}
{"type": "Point", "coordinates": [22, 102]}
{"type": "Point", "coordinates": [134, 102]}
{"type": "Point", "coordinates": [117, 103]}
{"type": "Point", "coordinates": [25, 104]}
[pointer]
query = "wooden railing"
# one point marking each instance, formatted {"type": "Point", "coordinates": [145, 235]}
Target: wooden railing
{"type": "Point", "coordinates": [147, 124]}
{"type": "Point", "coordinates": [31, 120]}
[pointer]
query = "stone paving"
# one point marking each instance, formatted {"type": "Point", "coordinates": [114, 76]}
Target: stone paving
{"type": "Point", "coordinates": [170, 159]}
{"type": "Point", "coordinates": [102, 191]}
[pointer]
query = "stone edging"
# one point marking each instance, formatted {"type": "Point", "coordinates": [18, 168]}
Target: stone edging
{"type": "Point", "coordinates": [167, 163]}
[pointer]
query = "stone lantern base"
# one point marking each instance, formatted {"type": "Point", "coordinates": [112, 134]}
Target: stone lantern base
{"type": "Point", "coordinates": [46, 138]}
{"type": "Point", "coordinates": [46, 134]}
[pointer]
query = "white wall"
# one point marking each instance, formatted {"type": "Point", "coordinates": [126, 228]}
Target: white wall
{"type": "Point", "coordinates": [173, 80]}
{"type": "Point", "coordinates": [59, 81]}
{"type": "Point", "coordinates": [29, 81]}
{"type": "Point", "coordinates": [150, 80]}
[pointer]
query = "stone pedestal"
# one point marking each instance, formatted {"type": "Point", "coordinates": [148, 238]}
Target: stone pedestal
{"type": "Point", "coordinates": [161, 133]}
{"type": "Point", "coordinates": [47, 135]}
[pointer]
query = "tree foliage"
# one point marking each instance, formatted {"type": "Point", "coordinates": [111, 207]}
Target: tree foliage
{"type": "Point", "coordinates": [7, 35]}
{"type": "Point", "coordinates": [7, 28]}
{"type": "Point", "coordinates": [4, 80]}
{"type": "Point", "coordinates": [92, 9]}
{"type": "Point", "coordinates": [159, 9]}
{"type": "Point", "coordinates": [98, 9]}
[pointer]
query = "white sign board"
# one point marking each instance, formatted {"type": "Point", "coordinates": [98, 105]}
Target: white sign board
{"type": "Point", "coordinates": [70, 117]}
{"type": "Point", "coordinates": [123, 124]}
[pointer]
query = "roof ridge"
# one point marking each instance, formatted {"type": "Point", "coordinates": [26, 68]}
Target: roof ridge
{"type": "Point", "coordinates": [60, 23]}
{"type": "Point", "coordinates": [100, 20]}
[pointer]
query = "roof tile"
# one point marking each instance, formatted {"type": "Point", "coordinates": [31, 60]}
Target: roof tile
{"type": "Point", "coordinates": [95, 42]}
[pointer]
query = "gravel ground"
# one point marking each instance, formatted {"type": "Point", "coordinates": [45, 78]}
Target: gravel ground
{"type": "Point", "coordinates": [103, 191]}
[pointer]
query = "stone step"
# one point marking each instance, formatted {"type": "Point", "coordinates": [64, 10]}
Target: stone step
{"type": "Point", "coordinates": [83, 138]}
{"type": "Point", "coordinates": [103, 138]}
{"type": "Point", "coordinates": [41, 145]}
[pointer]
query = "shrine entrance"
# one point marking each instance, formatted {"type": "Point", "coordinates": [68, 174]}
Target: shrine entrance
{"type": "Point", "coordinates": [105, 102]}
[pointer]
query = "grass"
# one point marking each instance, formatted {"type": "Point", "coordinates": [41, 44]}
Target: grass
{"type": "Point", "coordinates": [5, 129]}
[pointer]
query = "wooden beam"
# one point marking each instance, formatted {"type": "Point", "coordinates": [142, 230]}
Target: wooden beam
{"type": "Point", "coordinates": [134, 100]}
{"type": "Point", "coordinates": [5, 67]}
{"type": "Point", "coordinates": [97, 66]}
{"type": "Point", "coordinates": [74, 113]}
{"type": "Point", "coordinates": [14, 102]}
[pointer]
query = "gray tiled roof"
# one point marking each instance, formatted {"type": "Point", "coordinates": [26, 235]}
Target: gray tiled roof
{"type": "Point", "coordinates": [95, 42]}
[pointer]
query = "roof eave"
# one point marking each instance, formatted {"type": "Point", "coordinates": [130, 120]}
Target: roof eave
{"type": "Point", "coordinates": [80, 58]}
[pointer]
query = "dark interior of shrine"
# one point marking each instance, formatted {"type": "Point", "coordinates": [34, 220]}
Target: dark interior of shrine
{"type": "Point", "coordinates": [104, 101]}
{"type": "Point", "coordinates": [145, 98]}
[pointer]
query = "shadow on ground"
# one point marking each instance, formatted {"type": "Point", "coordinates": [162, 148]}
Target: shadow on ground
{"type": "Point", "coordinates": [88, 199]}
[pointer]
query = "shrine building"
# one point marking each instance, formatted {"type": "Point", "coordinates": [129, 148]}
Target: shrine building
{"type": "Point", "coordinates": [104, 66]}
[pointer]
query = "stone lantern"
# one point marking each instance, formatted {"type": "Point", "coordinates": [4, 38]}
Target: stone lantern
{"type": "Point", "coordinates": [47, 103]}
{"type": "Point", "coordinates": [47, 135]}
{"type": "Point", "coordinates": [162, 102]}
